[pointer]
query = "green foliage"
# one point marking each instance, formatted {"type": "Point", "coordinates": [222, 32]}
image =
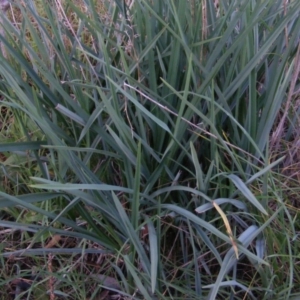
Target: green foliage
{"type": "Point", "coordinates": [151, 141]}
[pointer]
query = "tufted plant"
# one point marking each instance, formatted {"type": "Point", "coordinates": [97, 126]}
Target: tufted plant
{"type": "Point", "coordinates": [149, 141]}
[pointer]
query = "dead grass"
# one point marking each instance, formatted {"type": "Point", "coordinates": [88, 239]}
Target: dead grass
{"type": "Point", "coordinates": [66, 15]}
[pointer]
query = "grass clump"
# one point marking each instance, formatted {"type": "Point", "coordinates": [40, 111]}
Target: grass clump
{"type": "Point", "coordinates": [149, 172]}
